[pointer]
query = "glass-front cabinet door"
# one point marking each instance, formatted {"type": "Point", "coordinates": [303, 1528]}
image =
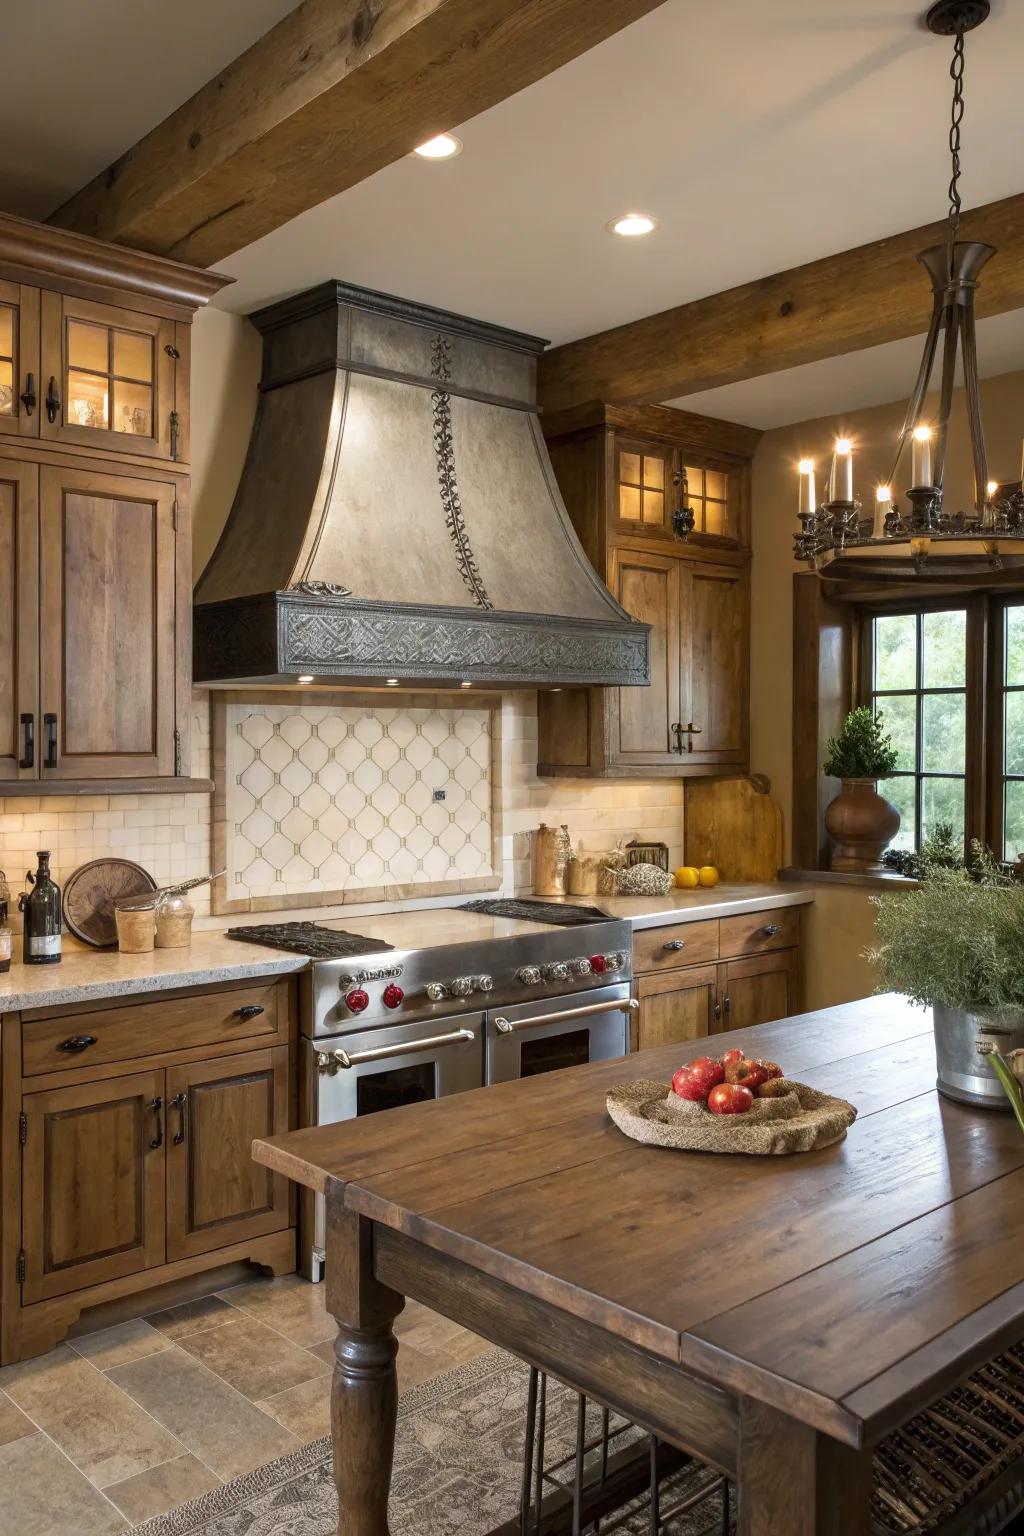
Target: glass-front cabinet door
{"type": "Point", "coordinates": [19, 360]}
{"type": "Point", "coordinates": [108, 378]}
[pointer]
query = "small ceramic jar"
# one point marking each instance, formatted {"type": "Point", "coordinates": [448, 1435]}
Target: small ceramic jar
{"type": "Point", "coordinates": [135, 927]}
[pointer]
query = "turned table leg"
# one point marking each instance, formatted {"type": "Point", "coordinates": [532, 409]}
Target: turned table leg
{"type": "Point", "coordinates": [793, 1481]}
{"type": "Point", "coordinates": [364, 1393]}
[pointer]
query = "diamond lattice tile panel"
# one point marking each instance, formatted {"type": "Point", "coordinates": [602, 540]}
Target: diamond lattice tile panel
{"type": "Point", "coordinates": [333, 799]}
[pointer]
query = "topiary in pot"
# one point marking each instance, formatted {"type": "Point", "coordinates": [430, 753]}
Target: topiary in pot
{"type": "Point", "coordinates": [860, 821]}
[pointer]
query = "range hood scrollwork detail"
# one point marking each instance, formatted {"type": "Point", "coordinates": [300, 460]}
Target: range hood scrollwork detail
{"type": "Point", "coordinates": [398, 446]}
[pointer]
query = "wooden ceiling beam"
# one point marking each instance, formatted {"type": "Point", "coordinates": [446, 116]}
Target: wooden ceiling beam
{"type": "Point", "coordinates": [859, 298]}
{"type": "Point", "coordinates": [336, 91]}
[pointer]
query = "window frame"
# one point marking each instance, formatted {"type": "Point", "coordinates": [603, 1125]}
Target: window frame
{"type": "Point", "coordinates": [983, 799]}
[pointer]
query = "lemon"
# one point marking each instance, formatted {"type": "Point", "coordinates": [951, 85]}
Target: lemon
{"type": "Point", "coordinates": [687, 877]}
{"type": "Point", "coordinates": [708, 875]}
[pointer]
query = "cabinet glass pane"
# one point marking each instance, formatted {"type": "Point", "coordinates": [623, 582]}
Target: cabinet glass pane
{"type": "Point", "coordinates": [901, 793]}
{"type": "Point", "coordinates": [895, 651]}
{"type": "Point", "coordinates": [944, 657]}
{"type": "Point", "coordinates": [6, 388]}
{"type": "Point", "coordinates": [714, 484]}
{"type": "Point", "coordinates": [629, 468]}
{"type": "Point", "coordinates": [87, 346]}
{"type": "Point", "coordinates": [654, 472]}
{"type": "Point", "coordinates": [695, 479]}
{"type": "Point", "coordinates": [88, 404]}
{"type": "Point", "coordinates": [6, 331]}
{"type": "Point", "coordinates": [943, 726]}
{"type": "Point", "coordinates": [629, 503]}
{"type": "Point", "coordinates": [1015, 645]}
{"type": "Point", "coordinates": [654, 507]}
{"type": "Point", "coordinates": [1013, 820]}
{"type": "Point", "coordinates": [133, 356]}
{"type": "Point", "coordinates": [716, 519]}
{"type": "Point", "coordinates": [899, 719]}
{"type": "Point", "coordinates": [942, 800]}
{"type": "Point", "coordinates": [133, 408]}
{"type": "Point", "coordinates": [1013, 742]}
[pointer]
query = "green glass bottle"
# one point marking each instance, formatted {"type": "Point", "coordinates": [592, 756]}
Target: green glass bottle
{"type": "Point", "coordinates": [41, 909]}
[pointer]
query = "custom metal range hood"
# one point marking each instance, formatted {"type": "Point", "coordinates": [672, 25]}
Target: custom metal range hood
{"type": "Point", "coordinates": [398, 517]}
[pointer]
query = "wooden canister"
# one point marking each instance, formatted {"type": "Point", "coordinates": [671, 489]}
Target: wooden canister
{"type": "Point", "coordinates": [550, 860]}
{"type": "Point", "coordinates": [136, 927]}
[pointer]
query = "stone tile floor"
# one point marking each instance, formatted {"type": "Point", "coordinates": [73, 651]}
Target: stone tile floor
{"type": "Point", "coordinates": [112, 1428]}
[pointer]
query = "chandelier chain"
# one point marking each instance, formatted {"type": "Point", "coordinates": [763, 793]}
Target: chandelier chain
{"type": "Point", "coordinates": [956, 74]}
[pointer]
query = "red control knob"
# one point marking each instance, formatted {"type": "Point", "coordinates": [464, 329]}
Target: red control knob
{"type": "Point", "coordinates": [357, 1000]}
{"type": "Point", "coordinates": [598, 964]}
{"type": "Point", "coordinates": [392, 996]}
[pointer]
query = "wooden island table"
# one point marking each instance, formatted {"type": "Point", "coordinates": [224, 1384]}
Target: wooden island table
{"type": "Point", "coordinates": [773, 1316]}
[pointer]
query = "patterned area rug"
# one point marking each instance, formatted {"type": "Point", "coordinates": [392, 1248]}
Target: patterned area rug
{"type": "Point", "coordinates": [458, 1465]}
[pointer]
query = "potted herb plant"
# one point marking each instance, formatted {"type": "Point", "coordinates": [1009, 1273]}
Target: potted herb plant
{"type": "Point", "coordinates": [956, 944]}
{"type": "Point", "coordinates": [860, 821]}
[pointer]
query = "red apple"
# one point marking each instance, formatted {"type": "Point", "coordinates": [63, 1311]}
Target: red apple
{"type": "Point", "coordinates": [696, 1078]}
{"type": "Point", "coordinates": [730, 1056]}
{"type": "Point", "coordinates": [772, 1068]}
{"type": "Point", "coordinates": [730, 1099]}
{"type": "Point", "coordinates": [750, 1073]}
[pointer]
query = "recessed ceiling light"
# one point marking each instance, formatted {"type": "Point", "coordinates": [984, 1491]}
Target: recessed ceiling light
{"type": "Point", "coordinates": [392, 682]}
{"type": "Point", "coordinates": [305, 678]}
{"type": "Point", "coordinates": [633, 224]}
{"type": "Point", "coordinates": [443, 146]}
{"type": "Point", "coordinates": [465, 685]}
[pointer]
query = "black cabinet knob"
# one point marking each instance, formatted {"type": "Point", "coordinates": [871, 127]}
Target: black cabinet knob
{"type": "Point", "coordinates": [250, 1011]}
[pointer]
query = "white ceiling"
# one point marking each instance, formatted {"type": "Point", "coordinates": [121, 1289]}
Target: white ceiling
{"type": "Point", "coordinates": [83, 80]}
{"type": "Point", "coordinates": [761, 134]}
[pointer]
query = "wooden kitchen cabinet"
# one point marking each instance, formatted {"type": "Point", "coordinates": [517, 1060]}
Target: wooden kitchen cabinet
{"type": "Point", "coordinates": [749, 974]}
{"type": "Point", "coordinates": [110, 377]}
{"type": "Point", "coordinates": [216, 1194]}
{"type": "Point", "coordinates": [19, 618]}
{"type": "Point", "coordinates": [108, 636]}
{"type": "Point", "coordinates": [19, 360]}
{"type": "Point", "coordinates": [95, 544]}
{"type": "Point", "coordinates": [627, 475]}
{"type": "Point", "coordinates": [92, 1183]}
{"type": "Point", "coordinates": [129, 1168]}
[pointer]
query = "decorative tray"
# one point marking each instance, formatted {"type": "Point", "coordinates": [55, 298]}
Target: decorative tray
{"type": "Point", "coordinates": [795, 1119]}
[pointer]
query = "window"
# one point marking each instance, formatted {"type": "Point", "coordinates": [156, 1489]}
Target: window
{"type": "Point", "coordinates": [919, 685]}
{"type": "Point", "coordinates": [109, 378]}
{"type": "Point", "coordinates": [960, 741]}
{"type": "Point", "coordinates": [642, 487]}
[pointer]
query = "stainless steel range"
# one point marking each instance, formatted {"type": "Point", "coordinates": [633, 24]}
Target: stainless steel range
{"type": "Point", "coordinates": [489, 992]}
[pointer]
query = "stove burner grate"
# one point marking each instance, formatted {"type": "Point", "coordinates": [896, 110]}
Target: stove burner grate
{"type": "Point", "coordinates": [539, 912]}
{"type": "Point", "coordinates": [309, 939]}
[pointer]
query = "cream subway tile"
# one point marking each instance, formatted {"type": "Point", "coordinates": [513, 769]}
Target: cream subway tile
{"type": "Point", "coordinates": [21, 803]}
{"type": "Point", "coordinates": [104, 819]}
{"type": "Point", "coordinates": [11, 823]}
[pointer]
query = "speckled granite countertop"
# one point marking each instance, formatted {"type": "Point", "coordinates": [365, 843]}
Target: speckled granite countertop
{"type": "Point", "coordinates": [89, 975]}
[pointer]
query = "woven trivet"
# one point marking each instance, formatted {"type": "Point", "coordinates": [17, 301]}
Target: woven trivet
{"type": "Point", "coordinates": [798, 1120]}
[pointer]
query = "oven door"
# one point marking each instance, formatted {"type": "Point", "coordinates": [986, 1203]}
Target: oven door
{"type": "Point", "coordinates": [362, 1074]}
{"type": "Point", "coordinates": [555, 1032]}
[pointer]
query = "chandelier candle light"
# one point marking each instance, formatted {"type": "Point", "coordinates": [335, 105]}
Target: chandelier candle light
{"type": "Point", "coordinates": [926, 538]}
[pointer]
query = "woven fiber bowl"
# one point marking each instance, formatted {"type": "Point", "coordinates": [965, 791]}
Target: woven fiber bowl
{"type": "Point", "coordinates": [800, 1119]}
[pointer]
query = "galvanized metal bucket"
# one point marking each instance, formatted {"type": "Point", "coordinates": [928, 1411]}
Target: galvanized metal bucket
{"type": "Point", "coordinates": [964, 1073]}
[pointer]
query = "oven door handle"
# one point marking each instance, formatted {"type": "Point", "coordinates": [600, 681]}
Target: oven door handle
{"type": "Point", "coordinates": [511, 1027]}
{"type": "Point", "coordinates": [330, 1061]}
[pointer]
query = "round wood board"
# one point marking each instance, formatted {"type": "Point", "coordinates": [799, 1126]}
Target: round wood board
{"type": "Point", "coordinates": [90, 893]}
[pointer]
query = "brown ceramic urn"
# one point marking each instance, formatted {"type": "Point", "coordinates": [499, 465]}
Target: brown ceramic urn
{"type": "Point", "coordinates": [861, 823]}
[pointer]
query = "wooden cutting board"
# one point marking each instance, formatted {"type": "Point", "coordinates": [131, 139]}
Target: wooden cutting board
{"type": "Point", "coordinates": [735, 825]}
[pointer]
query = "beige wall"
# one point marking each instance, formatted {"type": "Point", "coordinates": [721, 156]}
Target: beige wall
{"type": "Point", "coordinates": [841, 924]}
{"type": "Point", "coordinates": [226, 353]}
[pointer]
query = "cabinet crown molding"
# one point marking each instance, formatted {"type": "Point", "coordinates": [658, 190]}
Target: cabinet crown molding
{"type": "Point", "coordinates": [31, 252]}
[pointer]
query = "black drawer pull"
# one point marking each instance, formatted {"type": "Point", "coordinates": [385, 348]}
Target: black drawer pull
{"type": "Point", "coordinates": [52, 401]}
{"type": "Point", "coordinates": [28, 757]}
{"type": "Point", "coordinates": [250, 1011]}
{"type": "Point", "coordinates": [50, 721]}
{"type": "Point", "coordinates": [180, 1103]}
{"type": "Point", "coordinates": [158, 1140]}
{"type": "Point", "coordinates": [28, 399]}
{"type": "Point", "coordinates": [77, 1043]}
{"type": "Point", "coordinates": [675, 944]}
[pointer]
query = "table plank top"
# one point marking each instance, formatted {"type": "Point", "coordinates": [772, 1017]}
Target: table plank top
{"type": "Point", "coordinates": [835, 1284]}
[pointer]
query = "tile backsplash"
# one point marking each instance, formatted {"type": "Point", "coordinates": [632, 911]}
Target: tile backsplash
{"type": "Point", "coordinates": [172, 835]}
